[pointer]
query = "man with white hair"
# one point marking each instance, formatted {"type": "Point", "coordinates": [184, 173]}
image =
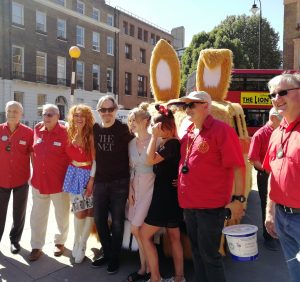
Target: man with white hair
{"type": "Point", "coordinates": [211, 161]}
{"type": "Point", "coordinates": [283, 162]}
{"type": "Point", "coordinates": [50, 162]}
{"type": "Point", "coordinates": [257, 151]}
{"type": "Point", "coordinates": [15, 148]}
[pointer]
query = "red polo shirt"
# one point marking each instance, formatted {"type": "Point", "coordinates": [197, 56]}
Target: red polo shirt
{"type": "Point", "coordinates": [15, 164]}
{"type": "Point", "coordinates": [285, 177]}
{"type": "Point", "coordinates": [259, 143]}
{"type": "Point", "coordinates": [212, 159]}
{"type": "Point", "coordinates": [50, 160]}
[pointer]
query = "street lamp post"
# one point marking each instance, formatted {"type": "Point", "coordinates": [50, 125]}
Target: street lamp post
{"type": "Point", "coordinates": [254, 10]}
{"type": "Point", "coordinates": [74, 53]}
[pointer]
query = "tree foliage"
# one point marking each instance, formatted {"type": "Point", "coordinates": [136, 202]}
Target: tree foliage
{"type": "Point", "coordinates": [240, 34]}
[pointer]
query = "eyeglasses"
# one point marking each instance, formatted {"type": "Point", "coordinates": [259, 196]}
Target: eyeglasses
{"type": "Point", "coordinates": [281, 93]}
{"type": "Point", "coordinates": [191, 105]}
{"type": "Point", "coordinates": [106, 110]}
{"type": "Point", "coordinates": [50, 115]}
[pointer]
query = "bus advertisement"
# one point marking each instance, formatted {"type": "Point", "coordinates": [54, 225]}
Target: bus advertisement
{"type": "Point", "coordinates": [249, 88]}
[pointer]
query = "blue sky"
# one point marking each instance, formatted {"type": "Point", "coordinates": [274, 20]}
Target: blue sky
{"type": "Point", "coordinates": [200, 15]}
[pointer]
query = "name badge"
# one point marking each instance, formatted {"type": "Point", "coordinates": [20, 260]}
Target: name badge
{"type": "Point", "coordinates": [4, 138]}
{"type": "Point", "coordinates": [58, 144]}
{"type": "Point", "coordinates": [38, 141]}
{"type": "Point", "coordinates": [22, 142]}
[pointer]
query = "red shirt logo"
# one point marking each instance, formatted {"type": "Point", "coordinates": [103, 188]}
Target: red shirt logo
{"type": "Point", "coordinates": [203, 146]}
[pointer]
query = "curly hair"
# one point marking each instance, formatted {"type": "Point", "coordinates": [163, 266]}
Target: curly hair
{"type": "Point", "coordinates": [87, 131]}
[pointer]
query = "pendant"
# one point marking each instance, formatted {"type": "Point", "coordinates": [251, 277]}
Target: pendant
{"type": "Point", "coordinates": [185, 169]}
{"type": "Point", "coordinates": [8, 148]}
{"type": "Point", "coordinates": [279, 153]}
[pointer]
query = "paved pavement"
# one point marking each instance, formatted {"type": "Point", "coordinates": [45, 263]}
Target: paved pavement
{"type": "Point", "coordinates": [270, 265]}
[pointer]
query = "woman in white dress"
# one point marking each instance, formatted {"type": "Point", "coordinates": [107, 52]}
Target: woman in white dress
{"type": "Point", "coordinates": [141, 181]}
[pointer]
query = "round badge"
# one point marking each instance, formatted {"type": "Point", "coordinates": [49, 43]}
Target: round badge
{"type": "Point", "coordinates": [203, 146]}
{"type": "Point", "coordinates": [4, 138]}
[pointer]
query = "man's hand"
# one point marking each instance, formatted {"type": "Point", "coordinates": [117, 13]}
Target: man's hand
{"type": "Point", "coordinates": [270, 220]}
{"type": "Point", "coordinates": [237, 210]}
{"type": "Point", "coordinates": [89, 188]}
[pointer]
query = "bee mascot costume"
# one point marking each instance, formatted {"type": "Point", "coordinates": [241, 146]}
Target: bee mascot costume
{"type": "Point", "coordinates": [213, 76]}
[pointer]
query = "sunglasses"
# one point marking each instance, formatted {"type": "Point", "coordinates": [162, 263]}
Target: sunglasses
{"type": "Point", "coordinates": [48, 115]}
{"type": "Point", "coordinates": [281, 93]}
{"type": "Point", "coordinates": [106, 110]}
{"type": "Point", "coordinates": [191, 105]}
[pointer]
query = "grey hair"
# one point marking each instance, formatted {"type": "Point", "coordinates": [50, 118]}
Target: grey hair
{"type": "Point", "coordinates": [107, 98]}
{"type": "Point", "coordinates": [14, 103]}
{"type": "Point", "coordinates": [52, 107]}
{"type": "Point", "coordinates": [291, 79]}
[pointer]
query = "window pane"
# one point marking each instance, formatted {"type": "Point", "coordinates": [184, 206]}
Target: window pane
{"type": "Point", "coordinates": [110, 46]}
{"type": "Point", "coordinates": [61, 70]}
{"type": "Point", "coordinates": [96, 75]}
{"type": "Point", "coordinates": [96, 41]}
{"type": "Point", "coordinates": [17, 13]}
{"type": "Point", "coordinates": [41, 100]}
{"type": "Point", "coordinates": [110, 20]}
{"type": "Point", "coordinates": [40, 66]}
{"type": "Point", "coordinates": [96, 14]}
{"type": "Point", "coordinates": [80, 7]}
{"type": "Point", "coordinates": [40, 21]}
{"type": "Point", "coordinates": [19, 97]}
{"type": "Point", "coordinates": [80, 74]}
{"type": "Point", "coordinates": [109, 78]}
{"type": "Point", "coordinates": [61, 28]}
{"type": "Point", "coordinates": [80, 36]}
{"type": "Point", "coordinates": [17, 61]}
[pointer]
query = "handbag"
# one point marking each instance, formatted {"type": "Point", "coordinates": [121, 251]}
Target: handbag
{"type": "Point", "coordinates": [82, 202]}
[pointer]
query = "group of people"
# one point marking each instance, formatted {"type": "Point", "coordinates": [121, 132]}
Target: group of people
{"type": "Point", "coordinates": [101, 169]}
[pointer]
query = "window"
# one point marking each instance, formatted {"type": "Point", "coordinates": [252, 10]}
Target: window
{"type": "Point", "coordinates": [128, 51]}
{"type": "Point", "coordinates": [152, 39]}
{"type": "Point", "coordinates": [96, 77]}
{"type": "Point", "coordinates": [157, 38]}
{"type": "Point", "coordinates": [41, 66]}
{"type": "Point", "coordinates": [19, 97]}
{"type": "Point", "coordinates": [80, 101]}
{"type": "Point", "coordinates": [110, 46]}
{"type": "Point", "coordinates": [40, 101]}
{"type": "Point", "coordinates": [125, 27]}
{"type": "Point", "coordinates": [41, 21]}
{"type": "Point", "coordinates": [142, 92]}
{"type": "Point", "coordinates": [110, 19]}
{"type": "Point", "coordinates": [127, 83]}
{"type": "Point", "coordinates": [131, 30]}
{"type": "Point", "coordinates": [17, 61]}
{"type": "Point", "coordinates": [96, 41]}
{"type": "Point", "coordinates": [61, 29]}
{"type": "Point", "coordinates": [61, 70]}
{"type": "Point", "coordinates": [143, 56]}
{"type": "Point", "coordinates": [80, 7]}
{"type": "Point", "coordinates": [80, 36]}
{"type": "Point", "coordinates": [96, 14]}
{"type": "Point", "coordinates": [145, 35]}
{"type": "Point", "coordinates": [140, 33]}
{"type": "Point", "coordinates": [109, 79]}
{"type": "Point", "coordinates": [60, 2]}
{"type": "Point", "coordinates": [17, 13]}
{"type": "Point", "coordinates": [80, 74]}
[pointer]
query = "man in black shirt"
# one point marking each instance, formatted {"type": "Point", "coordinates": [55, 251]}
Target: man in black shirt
{"type": "Point", "coordinates": [111, 181]}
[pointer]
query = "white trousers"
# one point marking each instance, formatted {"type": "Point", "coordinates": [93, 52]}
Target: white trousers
{"type": "Point", "coordinates": [40, 213]}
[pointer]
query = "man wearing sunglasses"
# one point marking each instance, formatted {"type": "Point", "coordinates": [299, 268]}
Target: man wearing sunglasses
{"type": "Point", "coordinates": [49, 163]}
{"type": "Point", "coordinates": [283, 162]}
{"type": "Point", "coordinates": [257, 151]}
{"type": "Point", "coordinates": [211, 161]}
{"type": "Point", "coordinates": [111, 138]}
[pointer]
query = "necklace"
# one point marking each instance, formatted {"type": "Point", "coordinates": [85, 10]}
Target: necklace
{"type": "Point", "coordinates": [280, 153]}
{"type": "Point", "coordinates": [185, 168]}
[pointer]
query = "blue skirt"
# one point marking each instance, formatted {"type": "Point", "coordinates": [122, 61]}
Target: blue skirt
{"type": "Point", "coordinates": [76, 179]}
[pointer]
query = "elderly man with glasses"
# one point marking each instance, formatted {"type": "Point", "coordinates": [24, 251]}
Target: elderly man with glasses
{"type": "Point", "coordinates": [211, 161]}
{"type": "Point", "coordinates": [50, 162]}
{"type": "Point", "coordinates": [111, 187]}
{"type": "Point", "coordinates": [15, 148]}
{"type": "Point", "coordinates": [283, 162]}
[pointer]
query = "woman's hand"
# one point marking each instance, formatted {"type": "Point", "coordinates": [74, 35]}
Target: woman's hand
{"type": "Point", "coordinates": [156, 128]}
{"type": "Point", "coordinates": [89, 187]}
{"type": "Point", "coordinates": [131, 198]}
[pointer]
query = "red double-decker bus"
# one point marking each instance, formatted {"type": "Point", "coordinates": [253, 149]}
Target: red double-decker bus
{"type": "Point", "coordinates": [249, 88]}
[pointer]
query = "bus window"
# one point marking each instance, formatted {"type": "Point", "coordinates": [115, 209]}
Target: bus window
{"type": "Point", "coordinates": [256, 117]}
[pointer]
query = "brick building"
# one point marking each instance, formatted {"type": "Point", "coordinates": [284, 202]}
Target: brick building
{"type": "Point", "coordinates": [35, 67]}
{"type": "Point", "coordinates": [291, 35]}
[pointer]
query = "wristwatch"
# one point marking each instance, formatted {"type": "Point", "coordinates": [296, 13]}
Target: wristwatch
{"type": "Point", "coordinates": [240, 198]}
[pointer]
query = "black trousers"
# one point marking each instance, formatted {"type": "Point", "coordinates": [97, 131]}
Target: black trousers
{"type": "Point", "coordinates": [20, 195]}
{"type": "Point", "coordinates": [262, 184]}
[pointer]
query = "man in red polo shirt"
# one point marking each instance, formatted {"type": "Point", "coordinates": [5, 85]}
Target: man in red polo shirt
{"type": "Point", "coordinates": [211, 160]}
{"type": "Point", "coordinates": [15, 147]}
{"type": "Point", "coordinates": [257, 151]}
{"type": "Point", "coordinates": [283, 162]}
{"type": "Point", "coordinates": [50, 162]}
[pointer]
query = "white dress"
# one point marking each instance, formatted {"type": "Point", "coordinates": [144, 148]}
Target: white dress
{"type": "Point", "coordinates": [142, 179]}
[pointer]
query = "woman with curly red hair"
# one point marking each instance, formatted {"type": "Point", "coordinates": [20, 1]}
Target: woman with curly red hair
{"type": "Point", "coordinates": [79, 179]}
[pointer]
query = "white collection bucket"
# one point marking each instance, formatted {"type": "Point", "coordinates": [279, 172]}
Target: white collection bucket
{"type": "Point", "coordinates": [242, 241]}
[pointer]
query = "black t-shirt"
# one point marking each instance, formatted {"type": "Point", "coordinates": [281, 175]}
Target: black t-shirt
{"type": "Point", "coordinates": [111, 144]}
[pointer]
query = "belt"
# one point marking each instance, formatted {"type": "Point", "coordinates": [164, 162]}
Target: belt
{"type": "Point", "coordinates": [80, 164]}
{"type": "Point", "coordinates": [288, 210]}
